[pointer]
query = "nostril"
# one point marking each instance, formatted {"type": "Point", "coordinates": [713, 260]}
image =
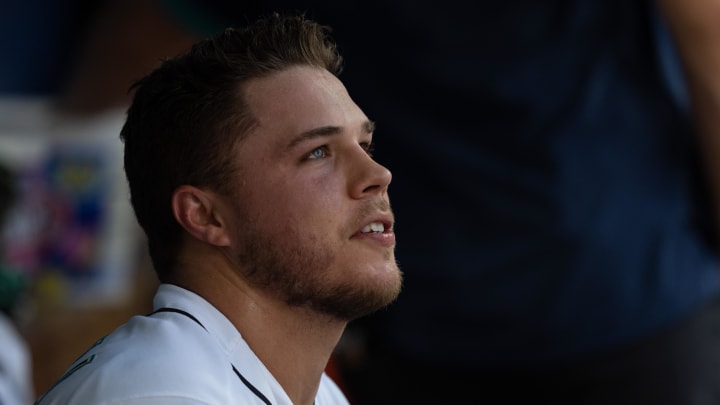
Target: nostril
{"type": "Point", "coordinates": [371, 188]}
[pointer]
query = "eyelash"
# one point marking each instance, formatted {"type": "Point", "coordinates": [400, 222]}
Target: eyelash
{"type": "Point", "coordinates": [323, 148]}
{"type": "Point", "coordinates": [369, 147]}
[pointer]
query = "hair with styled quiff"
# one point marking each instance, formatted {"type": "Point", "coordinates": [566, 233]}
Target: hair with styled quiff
{"type": "Point", "coordinates": [188, 114]}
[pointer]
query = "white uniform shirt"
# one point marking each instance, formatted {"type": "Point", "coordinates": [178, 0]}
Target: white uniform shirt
{"type": "Point", "coordinates": [189, 353]}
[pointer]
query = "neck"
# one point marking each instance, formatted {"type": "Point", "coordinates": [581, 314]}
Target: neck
{"type": "Point", "coordinates": [296, 350]}
{"type": "Point", "coordinates": [294, 343]}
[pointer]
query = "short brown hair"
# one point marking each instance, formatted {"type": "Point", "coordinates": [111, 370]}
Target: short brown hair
{"type": "Point", "coordinates": [187, 115]}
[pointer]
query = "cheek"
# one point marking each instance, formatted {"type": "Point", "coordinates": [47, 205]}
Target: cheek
{"type": "Point", "coordinates": [323, 198]}
{"type": "Point", "coordinates": [324, 189]}
{"type": "Point", "coordinates": [277, 202]}
{"type": "Point", "coordinates": [304, 201]}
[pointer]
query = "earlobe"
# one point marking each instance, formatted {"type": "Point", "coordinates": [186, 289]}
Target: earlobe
{"type": "Point", "coordinates": [196, 212]}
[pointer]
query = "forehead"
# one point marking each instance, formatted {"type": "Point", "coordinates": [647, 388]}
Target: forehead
{"type": "Point", "coordinates": [298, 99]}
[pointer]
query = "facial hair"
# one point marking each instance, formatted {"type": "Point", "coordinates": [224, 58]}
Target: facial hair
{"type": "Point", "coordinates": [294, 266]}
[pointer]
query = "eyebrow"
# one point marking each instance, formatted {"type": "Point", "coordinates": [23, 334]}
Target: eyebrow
{"type": "Point", "coordinates": [330, 130]}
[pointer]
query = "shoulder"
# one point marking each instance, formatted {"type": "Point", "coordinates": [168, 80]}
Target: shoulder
{"type": "Point", "coordinates": [148, 357]}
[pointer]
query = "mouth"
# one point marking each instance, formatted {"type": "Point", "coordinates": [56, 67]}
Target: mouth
{"type": "Point", "coordinates": [375, 227]}
{"type": "Point", "coordinates": [379, 230]}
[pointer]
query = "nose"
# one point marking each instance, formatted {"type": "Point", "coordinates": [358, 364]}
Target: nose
{"type": "Point", "coordinates": [368, 178]}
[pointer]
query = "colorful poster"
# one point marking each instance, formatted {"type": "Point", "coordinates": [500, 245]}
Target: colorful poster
{"type": "Point", "coordinates": [71, 228]}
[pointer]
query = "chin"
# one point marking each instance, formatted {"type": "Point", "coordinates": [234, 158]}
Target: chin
{"type": "Point", "coordinates": [362, 297]}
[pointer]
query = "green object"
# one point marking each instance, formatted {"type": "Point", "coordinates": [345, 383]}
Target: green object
{"type": "Point", "coordinates": [12, 285]}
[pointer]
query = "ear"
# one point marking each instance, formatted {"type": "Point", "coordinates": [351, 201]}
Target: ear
{"type": "Point", "coordinates": [198, 212]}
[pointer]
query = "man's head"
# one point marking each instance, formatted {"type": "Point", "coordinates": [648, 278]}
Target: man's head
{"type": "Point", "coordinates": [249, 144]}
{"type": "Point", "coordinates": [188, 114]}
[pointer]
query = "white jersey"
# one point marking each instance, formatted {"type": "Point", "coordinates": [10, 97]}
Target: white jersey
{"type": "Point", "coordinates": [186, 352]}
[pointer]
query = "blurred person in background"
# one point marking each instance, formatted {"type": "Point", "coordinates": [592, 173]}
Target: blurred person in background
{"type": "Point", "coordinates": [16, 384]}
{"type": "Point", "coordinates": [52, 48]}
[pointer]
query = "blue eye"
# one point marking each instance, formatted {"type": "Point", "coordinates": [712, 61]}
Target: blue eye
{"type": "Point", "coordinates": [318, 153]}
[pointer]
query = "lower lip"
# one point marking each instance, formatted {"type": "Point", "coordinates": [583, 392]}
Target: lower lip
{"type": "Point", "coordinates": [386, 239]}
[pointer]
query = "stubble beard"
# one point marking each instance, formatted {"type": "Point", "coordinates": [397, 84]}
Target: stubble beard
{"type": "Point", "coordinates": [294, 267]}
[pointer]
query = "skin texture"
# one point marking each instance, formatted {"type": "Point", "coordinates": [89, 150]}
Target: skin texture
{"type": "Point", "coordinates": [284, 257]}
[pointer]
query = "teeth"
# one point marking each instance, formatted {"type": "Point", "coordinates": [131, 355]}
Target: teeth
{"type": "Point", "coordinates": [374, 227]}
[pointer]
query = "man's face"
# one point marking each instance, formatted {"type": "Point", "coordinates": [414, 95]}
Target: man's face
{"type": "Point", "coordinates": [311, 215]}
